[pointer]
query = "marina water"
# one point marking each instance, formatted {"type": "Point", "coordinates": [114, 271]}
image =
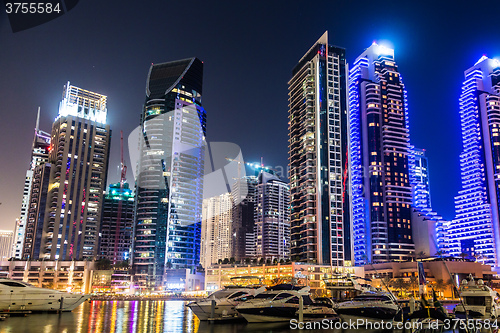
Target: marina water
{"type": "Point", "coordinates": [134, 316]}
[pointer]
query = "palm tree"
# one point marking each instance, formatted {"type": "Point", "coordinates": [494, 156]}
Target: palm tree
{"type": "Point", "coordinates": [399, 283]}
{"type": "Point", "coordinates": [440, 285]}
{"type": "Point", "coordinates": [413, 284]}
{"type": "Point", "coordinates": [421, 255]}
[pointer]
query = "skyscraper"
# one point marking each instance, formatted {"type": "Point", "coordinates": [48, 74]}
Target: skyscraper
{"type": "Point", "coordinates": [318, 156]}
{"type": "Point", "coordinates": [272, 218]}
{"type": "Point", "coordinates": [117, 223]}
{"type": "Point", "coordinates": [36, 211]}
{"type": "Point", "coordinates": [170, 170]}
{"type": "Point", "coordinates": [419, 177]}
{"type": "Point", "coordinates": [216, 229]}
{"type": "Point", "coordinates": [39, 156]}
{"type": "Point", "coordinates": [243, 197]}
{"type": "Point", "coordinates": [475, 230]}
{"type": "Point", "coordinates": [78, 158]}
{"type": "Point", "coordinates": [6, 239]}
{"type": "Point", "coordinates": [380, 149]}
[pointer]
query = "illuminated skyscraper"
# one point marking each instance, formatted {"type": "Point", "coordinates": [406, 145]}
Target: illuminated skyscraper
{"type": "Point", "coordinates": [420, 180]}
{"type": "Point", "coordinates": [39, 156]}
{"type": "Point", "coordinates": [117, 223]}
{"type": "Point", "coordinates": [318, 157]}
{"type": "Point", "coordinates": [79, 153]}
{"type": "Point", "coordinates": [216, 230]}
{"type": "Point", "coordinates": [272, 218]}
{"type": "Point", "coordinates": [170, 170]}
{"type": "Point", "coordinates": [475, 230]}
{"type": "Point", "coordinates": [380, 152]}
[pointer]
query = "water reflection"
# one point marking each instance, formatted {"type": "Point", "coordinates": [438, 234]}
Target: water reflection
{"type": "Point", "coordinates": [130, 317]}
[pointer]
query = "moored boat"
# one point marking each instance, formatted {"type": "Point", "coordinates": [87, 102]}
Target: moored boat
{"type": "Point", "coordinates": [479, 300]}
{"type": "Point", "coordinates": [224, 302]}
{"type": "Point", "coordinates": [371, 306]}
{"type": "Point", "coordinates": [278, 304]}
{"type": "Point", "coordinates": [16, 295]}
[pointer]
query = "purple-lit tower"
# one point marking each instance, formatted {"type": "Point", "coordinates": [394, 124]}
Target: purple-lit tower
{"type": "Point", "coordinates": [380, 154]}
{"type": "Point", "coordinates": [475, 231]}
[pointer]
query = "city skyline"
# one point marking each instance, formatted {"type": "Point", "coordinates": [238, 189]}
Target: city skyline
{"type": "Point", "coordinates": [357, 40]}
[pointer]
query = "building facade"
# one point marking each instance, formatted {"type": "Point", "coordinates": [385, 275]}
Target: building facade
{"type": "Point", "coordinates": [39, 156]}
{"type": "Point", "coordinates": [380, 152]}
{"type": "Point", "coordinates": [117, 223]}
{"type": "Point", "coordinates": [6, 239]}
{"type": "Point", "coordinates": [36, 212]}
{"type": "Point", "coordinates": [71, 276]}
{"type": "Point", "coordinates": [78, 158]}
{"type": "Point", "coordinates": [216, 230]}
{"type": "Point", "coordinates": [170, 170]}
{"type": "Point", "coordinates": [272, 218]}
{"type": "Point", "coordinates": [219, 276]}
{"type": "Point", "coordinates": [318, 157]}
{"type": "Point", "coordinates": [243, 193]}
{"type": "Point", "coordinates": [475, 231]}
{"type": "Point", "coordinates": [419, 178]}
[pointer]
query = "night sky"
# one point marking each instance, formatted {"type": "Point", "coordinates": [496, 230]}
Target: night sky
{"type": "Point", "coordinates": [249, 49]}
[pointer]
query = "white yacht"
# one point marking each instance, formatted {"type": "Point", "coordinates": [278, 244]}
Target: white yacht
{"type": "Point", "coordinates": [481, 302]}
{"type": "Point", "coordinates": [16, 295]}
{"type": "Point", "coordinates": [346, 287]}
{"type": "Point", "coordinates": [278, 303]}
{"type": "Point", "coordinates": [371, 306]}
{"type": "Point", "coordinates": [225, 302]}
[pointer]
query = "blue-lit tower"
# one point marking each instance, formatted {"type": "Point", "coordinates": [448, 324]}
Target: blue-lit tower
{"type": "Point", "coordinates": [379, 154]}
{"type": "Point", "coordinates": [475, 230]}
{"type": "Point", "coordinates": [170, 170]}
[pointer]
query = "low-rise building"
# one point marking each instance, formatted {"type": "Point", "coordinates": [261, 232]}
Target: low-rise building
{"type": "Point", "coordinates": [218, 276]}
{"type": "Point", "coordinates": [402, 277]}
{"type": "Point", "coordinates": [61, 275]}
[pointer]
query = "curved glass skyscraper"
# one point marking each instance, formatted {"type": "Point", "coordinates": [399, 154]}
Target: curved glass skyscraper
{"type": "Point", "coordinates": [170, 172]}
{"type": "Point", "coordinates": [476, 230]}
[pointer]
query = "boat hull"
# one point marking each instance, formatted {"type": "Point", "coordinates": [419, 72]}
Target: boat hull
{"type": "Point", "coordinates": [222, 312]}
{"type": "Point", "coordinates": [375, 314]}
{"type": "Point", "coordinates": [42, 302]}
{"type": "Point", "coordinates": [268, 314]}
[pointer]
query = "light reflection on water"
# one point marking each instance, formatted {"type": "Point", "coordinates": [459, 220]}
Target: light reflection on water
{"type": "Point", "coordinates": [132, 317]}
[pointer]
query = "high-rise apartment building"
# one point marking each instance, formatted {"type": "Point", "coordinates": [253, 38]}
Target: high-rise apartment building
{"type": "Point", "coordinates": [318, 157]}
{"type": "Point", "coordinates": [170, 170]}
{"type": "Point", "coordinates": [243, 195]}
{"type": "Point", "coordinates": [475, 231]}
{"type": "Point", "coordinates": [117, 223]}
{"type": "Point", "coordinates": [380, 169]}
{"type": "Point", "coordinates": [78, 158]}
{"type": "Point", "coordinates": [272, 218]}
{"type": "Point", "coordinates": [216, 230]}
{"type": "Point", "coordinates": [36, 212]}
{"type": "Point", "coordinates": [39, 156]}
{"type": "Point", "coordinates": [6, 239]}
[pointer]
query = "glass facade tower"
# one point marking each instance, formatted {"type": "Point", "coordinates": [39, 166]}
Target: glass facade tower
{"type": "Point", "coordinates": [380, 153]}
{"type": "Point", "coordinates": [170, 170]}
{"type": "Point", "coordinates": [69, 227]}
{"type": "Point", "coordinates": [475, 231]}
{"type": "Point", "coordinates": [318, 157]}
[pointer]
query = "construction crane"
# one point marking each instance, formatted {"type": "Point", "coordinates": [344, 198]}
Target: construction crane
{"type": "Point", "coordinates": [123, 174]}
